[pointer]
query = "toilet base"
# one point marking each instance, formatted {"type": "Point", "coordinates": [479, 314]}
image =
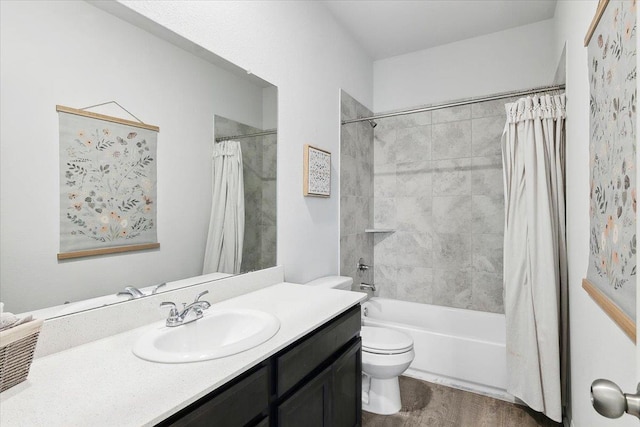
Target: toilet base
{"type": "Point", "coordinates": [384, 397]}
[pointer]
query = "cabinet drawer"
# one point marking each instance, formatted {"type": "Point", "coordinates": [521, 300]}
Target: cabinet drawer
{"type": "Point", "coordinates": [294, 364]}
{"type": "Point", "coordinates": [237, 405]}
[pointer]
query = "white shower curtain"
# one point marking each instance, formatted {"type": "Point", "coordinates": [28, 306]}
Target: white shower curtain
{"type": "Point", "coordinates": [223, 252]}
{"type": "Point", "coordinates": [535, 270]}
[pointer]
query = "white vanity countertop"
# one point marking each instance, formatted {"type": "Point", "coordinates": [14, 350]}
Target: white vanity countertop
{"type": "Point", "coordinates": [103, 383]}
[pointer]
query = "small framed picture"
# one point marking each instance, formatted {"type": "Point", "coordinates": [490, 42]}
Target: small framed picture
{"type": "Point", "coordinates": [317, 172]}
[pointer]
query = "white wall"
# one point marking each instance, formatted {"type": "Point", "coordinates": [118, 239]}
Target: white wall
{"type": "Point", "coordinates": [599, 349]}
{"type": "Point", "coordinates": [299, 47]}
{"type": "Point", "coordinates": [74, 54]}
{"type": "Point", "coordinates": [513, 59]}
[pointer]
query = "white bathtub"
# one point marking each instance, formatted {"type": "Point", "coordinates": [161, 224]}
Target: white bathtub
{"type": "Point", "coordinates": [455, 347]}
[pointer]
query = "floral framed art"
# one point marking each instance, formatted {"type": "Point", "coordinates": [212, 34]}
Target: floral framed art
{"type": "Point", "coordinates": [107, 184]}
{"type": "Point", "coordinates": [612, 273]}
{"type": "Point", "coordinates": [317, 172]}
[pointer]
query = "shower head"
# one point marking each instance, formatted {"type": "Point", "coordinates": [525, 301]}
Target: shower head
{"type": "Point", "coordinates": [372, 123]}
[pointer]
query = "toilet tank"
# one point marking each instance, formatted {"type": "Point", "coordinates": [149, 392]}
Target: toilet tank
{"type": "Point", "coordinates": [333, 282]}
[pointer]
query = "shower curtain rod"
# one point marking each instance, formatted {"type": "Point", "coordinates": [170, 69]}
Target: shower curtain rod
{"type": "Point", "coordinates": [249, 135]}
{"type": "Point", "coordinates": [459, 103]}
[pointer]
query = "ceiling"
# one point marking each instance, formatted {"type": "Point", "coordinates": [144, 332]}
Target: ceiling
{"type": "Point", "coordinates": [386, 28]}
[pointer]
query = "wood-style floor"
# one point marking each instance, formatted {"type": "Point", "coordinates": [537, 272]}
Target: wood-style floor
{"type": "Point", "coordinates": [426, 404]}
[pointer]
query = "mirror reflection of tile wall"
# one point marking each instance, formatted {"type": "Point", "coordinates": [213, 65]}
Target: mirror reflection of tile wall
{"type": "Point", "coordinates": [259, 175]}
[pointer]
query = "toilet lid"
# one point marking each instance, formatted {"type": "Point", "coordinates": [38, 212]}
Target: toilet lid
{"type": "Point", "coordinates": [384, 340]}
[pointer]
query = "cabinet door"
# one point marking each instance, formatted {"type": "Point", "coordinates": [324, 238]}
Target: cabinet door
{"type": "Point", "coordinates": [239, 405]}
{"type": "Point", "coordinates": [346, 397]}
{"type": "Point", "coordinates": [310, 406]}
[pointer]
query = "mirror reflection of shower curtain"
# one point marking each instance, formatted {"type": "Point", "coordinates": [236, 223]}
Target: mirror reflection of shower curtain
{"type": "Point", "coordinates": [223, 252]}
{"type": "Point", "coordinates": [535, 259]}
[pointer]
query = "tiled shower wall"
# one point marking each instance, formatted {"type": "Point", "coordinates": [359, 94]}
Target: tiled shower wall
{"type": "Point", "coordinates": [356, 192]}
{"type": "Point", "coordinates": [438, 183]}
{"type": "Point", "coordinates": [259, 176]}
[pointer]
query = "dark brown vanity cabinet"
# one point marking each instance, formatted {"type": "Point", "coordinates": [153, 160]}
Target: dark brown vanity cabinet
{"type": "Point", "coordinates": [331, 399]}
{"type": "Point", "coordinates": [316, 381]}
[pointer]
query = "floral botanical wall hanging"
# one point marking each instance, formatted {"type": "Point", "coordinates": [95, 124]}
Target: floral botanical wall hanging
{"type": "Point", "coordinates": [107, 184]}
{"type": "Point", "coordinates": [611, 275]}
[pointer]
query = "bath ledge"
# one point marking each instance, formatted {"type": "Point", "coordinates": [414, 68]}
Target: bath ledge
{"type": "Point", "coordinates": [379, 230]}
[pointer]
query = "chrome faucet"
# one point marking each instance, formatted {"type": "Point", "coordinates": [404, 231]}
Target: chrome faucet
{"type": "Point", "coordinates": [190, 313]}
{"type": "Point", "coordinates": [371, 287]}
{"type": "Point", "coordinates": [155, 289]}
{"type": "Point", "coordinates": [132, 292]}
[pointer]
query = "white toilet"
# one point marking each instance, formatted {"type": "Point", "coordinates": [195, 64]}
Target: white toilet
{"type": "Point", "coordinates": [386, 354]}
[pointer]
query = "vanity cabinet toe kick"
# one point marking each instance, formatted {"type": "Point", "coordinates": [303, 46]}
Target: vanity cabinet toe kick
{"type": "Point", "coordinates": [316, 381]}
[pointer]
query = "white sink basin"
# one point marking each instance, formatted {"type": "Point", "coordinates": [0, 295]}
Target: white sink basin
{"type": "Point", "coordinates": [218, 334]}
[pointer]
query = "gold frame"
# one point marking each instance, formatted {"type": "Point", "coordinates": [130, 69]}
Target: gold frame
{"type": "Point", "coordinates": [305, 179]}
{"type": "Point", "coordinates": [602, 5]}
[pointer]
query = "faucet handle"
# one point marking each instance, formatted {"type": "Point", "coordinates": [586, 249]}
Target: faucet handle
{"type": "Point", "coordinates": [174, 310]}
{"type": "Point", "coordinates": [199, 295]}
{"type": "Point", "coordinates": [155, 289]}
{"type": "Point", "coordinates": [174, 315]}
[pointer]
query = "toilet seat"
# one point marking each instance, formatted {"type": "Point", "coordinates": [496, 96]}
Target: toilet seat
{"type": "Point", "coordinates": [384, 341]}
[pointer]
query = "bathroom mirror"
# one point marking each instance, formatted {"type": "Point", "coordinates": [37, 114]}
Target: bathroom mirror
{"type": "Point", "coordinates": [77, 54]}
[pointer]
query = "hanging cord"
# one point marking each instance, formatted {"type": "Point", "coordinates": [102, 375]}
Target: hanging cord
{"type": "Point", "coordinates": [114, 102]}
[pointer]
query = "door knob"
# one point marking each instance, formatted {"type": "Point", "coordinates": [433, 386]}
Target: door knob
{"type": "Point", "coordinates": [609, 401]}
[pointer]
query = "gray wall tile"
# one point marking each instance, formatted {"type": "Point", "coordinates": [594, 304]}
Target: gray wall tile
{"type": "Point", "coordinates": [487, 292]}
{"type": "Point", "coordinates": [347, 215]}
{"type": "Point", "coordinates": [364, 145]}
{"type": "Point", "coordinates": [452, 251]}
{"type": "Point", "coordinates": [452, 288]}
{"type": "Point", "coordinates": [488, 253]}
{"type": "Point", "coordinates": [384, 212]}
{"type": "Point", "coordinates": [348, 181]}
{"type": "Point", "coordinates": [451, 140]}
{"type": "Point", "coordinates": [413, 144]}
{"type": "Point", "coordinates": [489, 108]}
{"type": "Point", "coordinates": [413, 179]}
{"type": "Point", "coordinates": [451, 114]}
{"type": "Point", "coordinates": [452, 177]}
{"type": "Point", "coordinates": [415, 284]}
{"type": "Point", "coordinates": [413, 249]}
{"type": "Point", "coordinates": [362, 209]}
{"type": "Point", "coordinates": [414, 213]}
{"type": "Point", "coordinates": [488, 215]}
{"type": "Point", "coordinates": [386, 281]}
{"type": "Point", "coordinates": [356, 191]}
{"type": "Point", "coordinates": [384, 180]}
{"type": "Point", "coordinates": [411, 120]}
{"type": "Point", "coordinates": [348, 140]}
{"type": "Point", "coordinates": [487, 134]}
{"type": "Point", "coordinates": [384, 250]}
{"type": "Point", "coordinates": [437, 180]}
{"type": "Point", "coordinates": [452, 214]}
{"type": "Point", "coordinates": [486, 176]}
{"type": "Point", "coordinates": [384, 145]}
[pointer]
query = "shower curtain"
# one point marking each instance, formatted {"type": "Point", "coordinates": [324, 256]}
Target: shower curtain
{"type": "Point", "coordinates": [223, 252]}
{"type": "Point", "coordinates": [535, 270]}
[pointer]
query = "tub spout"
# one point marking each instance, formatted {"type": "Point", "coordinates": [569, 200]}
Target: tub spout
{"type": "Point", "coordinates": [371, 287]}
